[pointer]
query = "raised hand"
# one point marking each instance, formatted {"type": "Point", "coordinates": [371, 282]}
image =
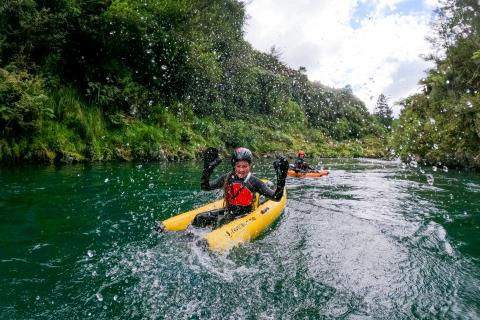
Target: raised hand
{"type": "Point", "coordinates": [211, 159]}
{"type": "Point", "coordinates": [281, 166]}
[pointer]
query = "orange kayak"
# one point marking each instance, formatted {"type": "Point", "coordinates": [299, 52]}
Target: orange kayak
{"type": "Point", "coordinates": [313, 174]}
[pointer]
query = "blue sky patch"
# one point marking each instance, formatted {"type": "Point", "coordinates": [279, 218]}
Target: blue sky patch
{"type": "Point", "coordinates": [367, 10]}
{"type": "Point", "coordinates": [409, 7]}
{"type": "Point", "coordinates": [362, 11]}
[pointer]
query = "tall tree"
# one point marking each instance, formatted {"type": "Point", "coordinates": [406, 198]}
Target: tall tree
{"type": "Point", "coordinates": [383, 112]}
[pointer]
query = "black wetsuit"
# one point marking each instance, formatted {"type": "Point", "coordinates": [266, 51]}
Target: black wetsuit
{"type": "Point", "coordinates": [302, 165]}
{"type": "Point", "coordinates": [216, 218]}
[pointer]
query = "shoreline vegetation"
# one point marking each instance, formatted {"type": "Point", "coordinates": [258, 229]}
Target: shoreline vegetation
{"type": "Point", "coordinates": [64, 129]}
{"type": "Point", "coordinates": [84, 134]}
{"type": "Point", "coordinates": [122, 80]}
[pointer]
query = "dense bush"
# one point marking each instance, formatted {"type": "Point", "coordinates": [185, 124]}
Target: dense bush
{"type": "Point", "coordinates": [23, 104]}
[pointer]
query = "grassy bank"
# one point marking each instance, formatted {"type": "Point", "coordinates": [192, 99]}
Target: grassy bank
{"type": "Point", "coordinates": [74, 131]}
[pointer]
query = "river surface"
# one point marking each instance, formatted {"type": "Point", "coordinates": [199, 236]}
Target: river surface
{"type": "Point", "coordinates": [373, 240]}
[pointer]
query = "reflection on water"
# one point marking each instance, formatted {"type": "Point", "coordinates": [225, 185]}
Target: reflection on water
{"type": "Point", "coordinates": [374, 239]}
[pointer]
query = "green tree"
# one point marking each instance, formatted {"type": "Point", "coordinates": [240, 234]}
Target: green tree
{"type": "Point", "coordinates": [383, 112]}
{"type": "Point", "coordinates": [441, 125]}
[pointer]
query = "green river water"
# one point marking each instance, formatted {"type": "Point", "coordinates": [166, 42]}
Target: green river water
{"type": "Point", "coordinates": [373, 240]}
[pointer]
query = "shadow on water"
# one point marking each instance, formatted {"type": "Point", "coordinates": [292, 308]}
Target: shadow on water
{"type": "Point", "coordinates": [374, 239]}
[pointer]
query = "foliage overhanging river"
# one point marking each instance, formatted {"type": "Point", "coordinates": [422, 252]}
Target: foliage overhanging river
{"type": "Point", "coordinates": [371, 240]}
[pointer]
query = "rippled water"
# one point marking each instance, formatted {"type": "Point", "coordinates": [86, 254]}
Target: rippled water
{"type": "Point", "coordinates": [373, 240]}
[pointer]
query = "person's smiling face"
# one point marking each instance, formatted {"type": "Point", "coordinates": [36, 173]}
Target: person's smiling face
{"type": "Point", "coordinates": [242, 168]}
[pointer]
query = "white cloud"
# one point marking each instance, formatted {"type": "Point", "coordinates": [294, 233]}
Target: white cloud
{"type": "Point", "coordinates": [382, 5]}
{"type": "Point", "coordinates": [432, 4]}
{"type": "Point", "coordinates": [371, 52]}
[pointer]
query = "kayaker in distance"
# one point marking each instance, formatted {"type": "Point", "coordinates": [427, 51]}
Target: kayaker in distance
{"type": "Point", "coordinates": [239, 186]}
{"type": "Point", "coordinates": [302, 166]}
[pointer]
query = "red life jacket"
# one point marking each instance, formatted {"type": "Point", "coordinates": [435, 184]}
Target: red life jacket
{"type": "Point", "coordinates": [238, 194]}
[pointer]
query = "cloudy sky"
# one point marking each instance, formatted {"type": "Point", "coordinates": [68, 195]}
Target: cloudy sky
{"type": "Point", "coordinates": [372, 45]}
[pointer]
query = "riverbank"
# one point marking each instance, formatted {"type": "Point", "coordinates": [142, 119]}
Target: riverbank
{"type": "Point", "coordinates": [85, 135]}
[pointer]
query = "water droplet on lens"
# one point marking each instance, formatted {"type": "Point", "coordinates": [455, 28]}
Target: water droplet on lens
{"type": "Point", "coordinates": [430, 179]}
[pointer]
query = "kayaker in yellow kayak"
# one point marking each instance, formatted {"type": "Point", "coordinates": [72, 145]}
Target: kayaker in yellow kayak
{"type": "Point", "coordinates": [302, 166]}
{"type": "Point", "coordinates": [239, 186]}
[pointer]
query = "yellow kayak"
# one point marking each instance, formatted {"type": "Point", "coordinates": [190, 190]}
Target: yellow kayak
{"type": "Point", "coordinates": [238, 231]}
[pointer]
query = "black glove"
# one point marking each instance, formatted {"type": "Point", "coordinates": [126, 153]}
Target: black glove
{"type": "Point", "coordinates": [211, 159]}
{"type": "Point", "coordinates": [281, 167]}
